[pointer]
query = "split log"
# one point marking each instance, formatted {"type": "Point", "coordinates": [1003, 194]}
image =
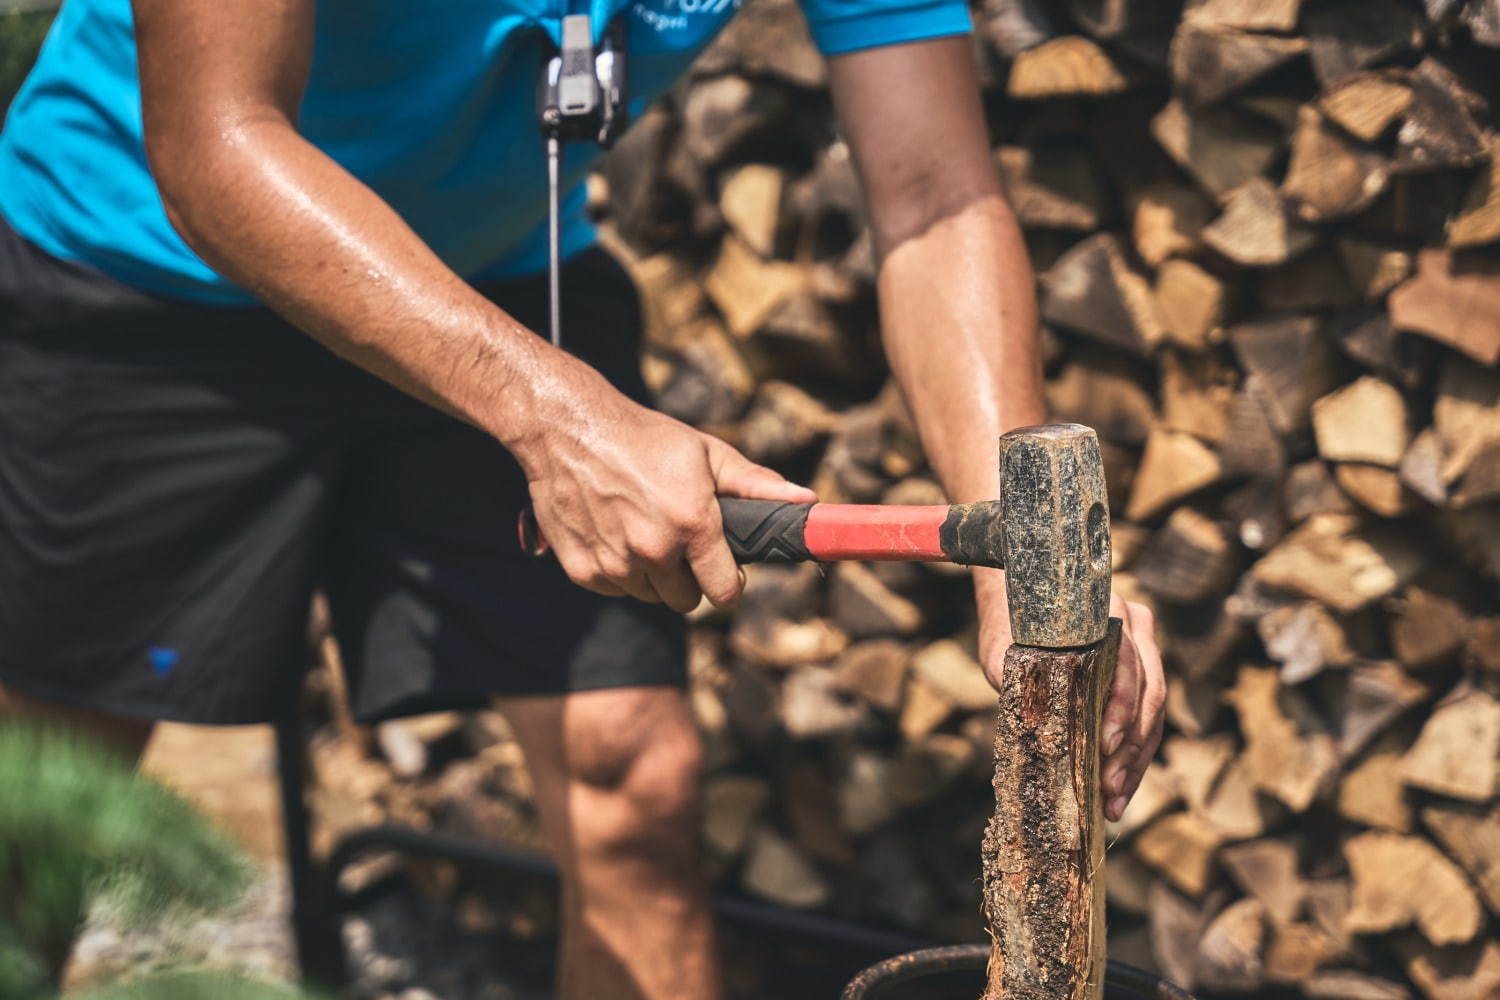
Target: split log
{"type": "Point", "coordinates": [1478, 221]}
{"type": "Point", "coordinates": [1295, 364]}
{"type": "Point", "coordinates": [1191, 303]}
{"type": "Point", "coordinates": [1353, 34]}
{"type": "Point", "coordinates": [1415, 208]}
{"type": "Point", "coordinates": [1211, 63]}
{"type": "Point", "coordinates": [1173, 466]}
{"type": "Point", "coordinates": [1296, 952]}
{"type": "Point", "coordinates": [1175, 925]}
{"type": "Point", "coordinates": [874, 672]}
{"type": "Point", "coordinates": [775, 870]}
{"type": "Point", "coordinates": [1456, 753]}
{"type": "Point", "coordinates": [1166, 220]}
{"type": "Point", "coordinates": [956, 676]}
{"type": "Point", "coordinates": [1196, 391]}
{"type": "Point", "coordinates": [1330, 559]}
{"type": "Point", "coordinates": [865, 608]}
{"type": "Point", "coordinates": [1288, 756]}
{"type": "Point", "coordinates": [1093, 290]}
{"type": "Point", "coordinates": [1377, 694]}
{"type": "Point", "coordinates": [1330, 177]}
{"type": "Point", "coordinates": [812, 708]}
{"type": "Point", "coordinates": [1374, 268]}
{"type": "Point", "coordinates": [864, 795]}
{"type": "Point", "coordinates": [1255, 229]}
{"type": "Point", "coordinates": [1455, 301]}
{"type": "Point", "coordinates": [1071, 66]}
{"type": "Point", "coordinates": [1194, 765]}
{"type": "Point", "coordinates": [1182, 847]}
{"type": "Point", "coordinates": [1101, 391]}
{"type": "Point", "coordinates": [1366, 105]}
{"type": "Point", "coordinates": [769, 39]}
{"type": "Point", "coordinates": [1369, 337]}
{"type": "Point", "coordinates": [1482, 651]}
{"type": "Point", "coordinates": [747, 288]}
{"type": "Point", "coordinates": [924, 709]}
{"type": "Point", "coordinates": [1219, 148]}
{"type": "Point", "coordinates": [1365, 421]}
{"type": "Point", "coordinates": [732, 806]}
{"type": "Point", "coordinates": [1426, 628]}
{"type": "Point", "coordinates": [1046, 843]}
{"type": "Point", "coordinates": [1472, 836]}
{"type": "Point", "coordinates": [1351, 984]}
{"type": "Point", "coordinates": [1231, 948]}
{"type": "Point", "coordinates": [1251, 447]}
{"type": "Point", "coordinates": [1421, 468]}
{"type": "Point", "coordinates": [1469, 973]}
{"type": "Point", "coordinates": [1188, 559]}
{"type": "Point", "coordinates": [1439, 131]}
{"type": "Point", "coordinates": [1052, 187]}
{"type": "Point", "coordinates": [1400, 880]}
{"type": "Point", "coordinates": [1376, 488]}
{"type": "Point", "coordinates": [1304, 638]}
{"type": "Point", "coordinates": [923, 771]}
{"type": "Point", "coordinates": [782, 422]}
{"type": "Point", "coordinates": [810, 800]}
{"type": "Point", "coordinates": [1157, 794]}
{"type": "Point", "coordinates": [1310, 489]}
{"type": "Point", "coordinates": [1251, 15]}
{"type": "Point", "coordinates": [1372, 792]}
{"type": "Point", "coordinates": [1268, 871]}
{"type": "Point", "coordinates": [1466, 416]}
{"type": "Point", "coordinates": [1315, 280]}
{"type": "Point", "coordinates": [1013, 26]}
{"type": "Point", "coordinates": [750, 201]}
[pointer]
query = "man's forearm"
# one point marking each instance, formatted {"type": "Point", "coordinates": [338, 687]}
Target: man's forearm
{"type": "Point", "coordinates": [960, 329]}
{"type": "Point", "coordinates": [269, 210]}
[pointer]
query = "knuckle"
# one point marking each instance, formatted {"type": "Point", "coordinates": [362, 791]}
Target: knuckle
{"type": "Point", "coordinates": [653, 546]}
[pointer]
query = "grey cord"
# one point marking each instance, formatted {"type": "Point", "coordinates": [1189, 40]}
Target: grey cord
{"type": "Point", "coordinates": [554, 239]}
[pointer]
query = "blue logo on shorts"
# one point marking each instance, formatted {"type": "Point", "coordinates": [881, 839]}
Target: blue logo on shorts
{"type": "Point", "coordinates": [163, 659]}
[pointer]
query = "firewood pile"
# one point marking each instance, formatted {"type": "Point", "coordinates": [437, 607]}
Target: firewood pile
{"type": "Point", "coordinates": [1266, 237]}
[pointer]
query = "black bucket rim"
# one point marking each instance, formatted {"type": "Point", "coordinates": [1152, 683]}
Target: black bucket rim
{"type": "Point", "coordinates": [900, 968]}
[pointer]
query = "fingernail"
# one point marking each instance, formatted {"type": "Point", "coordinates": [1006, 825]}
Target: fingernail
{"type": "Point", "coordinates": [1112, 742]}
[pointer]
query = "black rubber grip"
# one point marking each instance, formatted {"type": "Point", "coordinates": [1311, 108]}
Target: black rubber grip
{"type": "Point", "coordinates": [972, 535]}
{"type": "Point", "coordinates": [765, 530]}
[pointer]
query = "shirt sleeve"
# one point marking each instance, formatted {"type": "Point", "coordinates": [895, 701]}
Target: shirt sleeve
{"type": "Point", "coordinates": [840, 26]}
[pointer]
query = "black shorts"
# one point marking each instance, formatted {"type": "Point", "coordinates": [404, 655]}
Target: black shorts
{"type": "Point", "coordinates": [176, 480]}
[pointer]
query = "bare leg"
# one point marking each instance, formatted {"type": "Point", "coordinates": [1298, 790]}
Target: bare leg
{"type": "Point", "coordinates": [616, 775]}
{"type": "Point", "coordinates": [128, 736]}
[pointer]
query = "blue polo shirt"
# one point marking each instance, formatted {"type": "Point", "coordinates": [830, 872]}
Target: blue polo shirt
{"type": "Point", "coordinates": [429, 104]}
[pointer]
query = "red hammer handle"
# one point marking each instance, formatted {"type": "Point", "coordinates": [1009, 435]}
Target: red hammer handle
{"type": "Point", "coordinates": [773, 531]}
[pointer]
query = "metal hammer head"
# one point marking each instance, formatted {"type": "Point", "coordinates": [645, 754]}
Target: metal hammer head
{"type": "Point", "coordinates": [1056, 524]}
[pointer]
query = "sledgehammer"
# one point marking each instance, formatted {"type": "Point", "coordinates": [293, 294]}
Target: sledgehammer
{"type": "Point", "coordinates": [1049, 528]}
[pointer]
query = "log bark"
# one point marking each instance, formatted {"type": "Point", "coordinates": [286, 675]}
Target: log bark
{"type": "Point", "coordinates": [1044, 849]}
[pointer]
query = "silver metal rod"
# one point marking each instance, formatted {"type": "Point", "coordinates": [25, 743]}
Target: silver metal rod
{"type": "Point", "coordinates": [554, 241]}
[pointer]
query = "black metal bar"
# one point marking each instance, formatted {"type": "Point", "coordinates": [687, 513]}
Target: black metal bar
{"type": "Point", "coordinates": [466, 851]}
{"type": "Point", "coordinates": [320, 945]}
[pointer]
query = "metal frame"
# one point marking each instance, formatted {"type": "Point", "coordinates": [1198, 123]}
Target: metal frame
{"type": "Point", "coordinates": [318, 899]}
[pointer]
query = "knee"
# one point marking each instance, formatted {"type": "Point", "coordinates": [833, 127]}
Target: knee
{"type": "Point", "coordinates": [639, 795]}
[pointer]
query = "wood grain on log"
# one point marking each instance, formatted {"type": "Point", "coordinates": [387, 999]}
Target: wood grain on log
{"type": "Point", "coordinates": [1043, 851]}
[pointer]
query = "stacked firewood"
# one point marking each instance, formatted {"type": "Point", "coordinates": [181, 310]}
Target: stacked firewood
{"type": "Point", "coordinates": [1266, 235]}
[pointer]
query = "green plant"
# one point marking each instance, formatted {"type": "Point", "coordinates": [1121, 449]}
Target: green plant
{"type": "Point", "coordinates": [21, 34]}
{"type": "Point", "coordinates": [77, 824]}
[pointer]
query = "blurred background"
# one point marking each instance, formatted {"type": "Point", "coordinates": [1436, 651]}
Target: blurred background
{"type": "Point", "coordinates": [1265, 233]}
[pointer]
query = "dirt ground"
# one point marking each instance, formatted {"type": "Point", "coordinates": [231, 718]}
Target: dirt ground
{"type": "Point", "coordinates": [229, 772]}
